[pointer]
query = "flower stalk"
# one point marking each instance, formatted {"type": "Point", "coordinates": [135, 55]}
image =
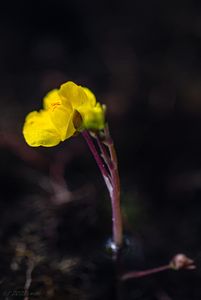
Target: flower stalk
{"type": "Point", "coordinates": [106, 159]}
{"type": "Point", "coordinates": [98, 159]}
{"type": "Point", "coordinates": [178, 262]}
{"type": "Point", "coordinates": [115, 195]}
{"type": "Point", "coordinates": [139, 274]}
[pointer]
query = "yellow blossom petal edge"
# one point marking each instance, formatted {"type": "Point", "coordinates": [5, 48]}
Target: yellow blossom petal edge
{"type": "Point", "coordinates": [51, 99]}
{"type": "Point", "coordinates": [67, 110]}
{"type": "Point", "coordinates": [39, 131]}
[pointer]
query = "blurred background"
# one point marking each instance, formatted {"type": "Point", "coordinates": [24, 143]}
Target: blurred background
{"type": "Point", "coordinates": [142, 59]}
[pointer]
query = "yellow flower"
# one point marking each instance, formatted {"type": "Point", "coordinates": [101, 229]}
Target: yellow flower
{"type": "Point", "coordinates": [66, 110]}
{"type": "Point", "coordinates": [83, 101]}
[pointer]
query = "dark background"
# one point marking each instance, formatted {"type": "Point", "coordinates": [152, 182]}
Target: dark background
{"type": "Point", "coordinates": [142, 59]}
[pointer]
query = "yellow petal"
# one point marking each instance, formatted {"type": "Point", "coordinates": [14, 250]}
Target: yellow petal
{"type": "Point", "coordinates": [51, 98]}
{"type": "Point", "coordinates": [61, 117]}
{"type": "Point", "coordinates": [38, 130]}
{"type": "Point", "coordinates": [72, 94]}
{"type": "Point", "coordinates": [91, 97]}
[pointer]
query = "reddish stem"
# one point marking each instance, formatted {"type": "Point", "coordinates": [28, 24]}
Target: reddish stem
{"type": "Point", "coordinates": [115, 194]}
{"type": "Point", "coordinates": [98, 160]}
{"type": "Point", "coordinates": [111, 177]}
{"type": "Point", "coordinates": [104, 153]}
{"type": "Point", "coordinates": [138, 274]}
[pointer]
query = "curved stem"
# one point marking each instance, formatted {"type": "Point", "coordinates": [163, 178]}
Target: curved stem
{"type": "Point", "coordinates": [98, 160]}
{"type": "Point", "coordinates": [104, 153]}
{"type": "Point", "coordinates": [138, 274]}
{"type": "Point", "coordinates": [108, 165]}
{"type": "Point", "coordinates": [117, 217]}
{"type": "Point", "coordinates": [115, 195]}
{"type": "Point", "coordinates": [178, 262]}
